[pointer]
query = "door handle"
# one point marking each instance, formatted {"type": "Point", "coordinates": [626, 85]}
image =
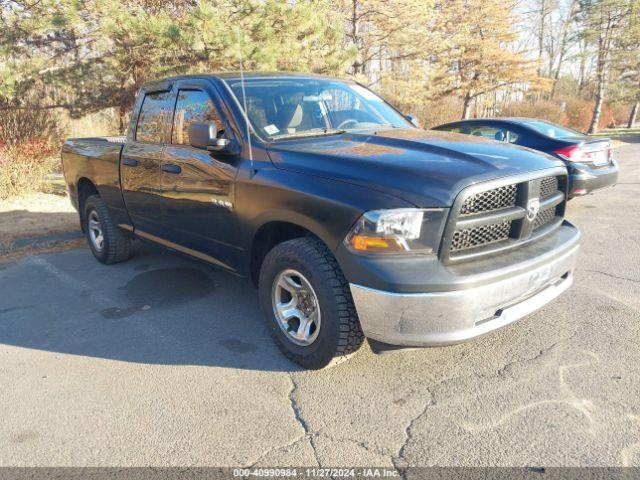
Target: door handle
{"type": "Point", "coordinates": [130, 162]}
{"type": "Point", "coordinates": [171, 168]}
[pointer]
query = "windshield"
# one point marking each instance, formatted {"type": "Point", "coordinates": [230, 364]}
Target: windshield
{"type": "Point", "coordinates": [551, 129]}
{"type": "Point", "coordinates": [292, 107]}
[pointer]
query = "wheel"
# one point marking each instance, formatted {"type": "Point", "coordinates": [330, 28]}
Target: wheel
{"type": "Point", "coordinates": [108, 244]}
{"type": "Point", "coordinates": [307, 303]}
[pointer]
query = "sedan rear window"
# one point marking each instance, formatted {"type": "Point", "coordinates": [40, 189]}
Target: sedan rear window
{"type": "Point", "coordinates": [551, 129]}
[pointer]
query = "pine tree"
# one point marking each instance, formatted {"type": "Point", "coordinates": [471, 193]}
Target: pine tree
{"type": "Point", "coordinates": [478, 59]}
{"type": "Point", "coordinates": [95, 54]}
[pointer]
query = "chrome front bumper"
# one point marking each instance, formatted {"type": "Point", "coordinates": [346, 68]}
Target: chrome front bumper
{"type": "Point", "coordinates": [446, 318]}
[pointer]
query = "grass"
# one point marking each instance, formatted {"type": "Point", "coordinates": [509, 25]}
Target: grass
{"type": "Point", "coordinates": [36, 214]}
{"type": "Point", "coordinates": [24, 166]}
{"type": "Point", "coordinates": [618, 132]}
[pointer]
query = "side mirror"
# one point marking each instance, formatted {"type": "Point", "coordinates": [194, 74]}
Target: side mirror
{"type": "Point", "coordinates": [204, 135]}
{"type": "Point", "coordinates": [413, 119]}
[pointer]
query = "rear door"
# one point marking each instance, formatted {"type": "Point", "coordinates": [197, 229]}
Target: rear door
{"type": "Point", "coordinates": [141, 160]}
{"type": "Point", "coordinates": [198, 185]}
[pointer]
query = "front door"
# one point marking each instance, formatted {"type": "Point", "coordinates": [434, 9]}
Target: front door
{"type": "Point", "coordinates": [198, 195]}
{"type": "Point", "coordinates": [140, 165]}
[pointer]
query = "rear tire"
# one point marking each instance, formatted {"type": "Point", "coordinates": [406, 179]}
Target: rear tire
{"type": "Point", "coordinates": [306, 267]}
{"type": "Point", "coordinates": [106, 241]}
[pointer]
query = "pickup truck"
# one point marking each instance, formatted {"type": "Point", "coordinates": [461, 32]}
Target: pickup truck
{"type": "Point", "coordinates": [352, 222]}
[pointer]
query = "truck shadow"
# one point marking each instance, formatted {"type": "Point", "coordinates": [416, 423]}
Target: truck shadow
{"type": "Point", "coordinates": [157, 308]}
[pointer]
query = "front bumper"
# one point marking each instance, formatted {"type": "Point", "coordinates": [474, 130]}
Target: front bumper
{"type": "Point", "coordinates": [584, 179]}
{"type": "Point", "coordinates": [446, 317]}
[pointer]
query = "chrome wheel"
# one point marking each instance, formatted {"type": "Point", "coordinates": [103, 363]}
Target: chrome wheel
{"type": "Point", "coordinates": [296, 307]}
{"type": "Point", "coordinates": [95, 230]}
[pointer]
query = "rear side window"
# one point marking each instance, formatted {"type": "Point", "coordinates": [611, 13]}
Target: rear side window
{"type": "Point", "coordinates": [454, 129]}
{"type": "Point", "coordinates": [494, 133]}
{"type": "Point", "coordinates": [193, 106]}
{"type": "Point", "coordinates": [152, 117]}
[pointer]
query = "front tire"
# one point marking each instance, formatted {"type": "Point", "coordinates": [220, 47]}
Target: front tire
{"type": "Point", "coordinates": [308, 304]}
{"type": "Point", "coordinates": [107, 243]}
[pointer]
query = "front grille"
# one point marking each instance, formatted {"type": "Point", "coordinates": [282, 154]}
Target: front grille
{"type": "Point", "coordinates": [491, 218]}
{"type": "Point", "coordinates": [548, 186]}
{"type": "Point", "coordinates": [485, 235]}
{"type": "Point", "coordinates": [491, 200]}
{"type": "Point", "coordinates": [544, 217]}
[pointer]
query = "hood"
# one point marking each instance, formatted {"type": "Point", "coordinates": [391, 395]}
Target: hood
{"type": "Point", "coordinates": [425, 168]}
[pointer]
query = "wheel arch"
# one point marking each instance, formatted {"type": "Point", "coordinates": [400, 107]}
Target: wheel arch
{"type": "Point", "coordinates": [275, 231]}
{"type": "Point", "coordinates": [85, 188]}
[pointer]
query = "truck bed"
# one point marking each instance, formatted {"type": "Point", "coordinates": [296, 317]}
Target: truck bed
{"type": "Point", "coordinates": [97, 159]}
{"type": "Point", "coordinates": [113, 139]}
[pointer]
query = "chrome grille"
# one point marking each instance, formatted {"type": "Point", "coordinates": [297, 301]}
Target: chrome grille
{"type": "Point", "coordinates": [485, 235]}
{"type": "Point", "coordinates": [495, 217]}
{"type": "Point", "coordinates": [544, 217]}
{"type": "Point", "coordinates": [491, 200]}
{"type": "Point", "coordinates": [548, 186]}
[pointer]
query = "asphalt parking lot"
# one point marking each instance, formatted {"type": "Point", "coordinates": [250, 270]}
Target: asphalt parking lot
{"type": "Point", "coordinates": [164, 361]}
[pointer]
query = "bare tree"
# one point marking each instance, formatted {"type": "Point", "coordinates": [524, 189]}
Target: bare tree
{"type": "Point", "coordinates": [543, 13]}
{"type": "Point", "coordinates": [565, 41]}
{"type": "Point", "coordinates": [604, 21]}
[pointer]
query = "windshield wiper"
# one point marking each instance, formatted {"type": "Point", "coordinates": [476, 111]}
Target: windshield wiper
{"type": "Point", "coordinates": [314, 132]}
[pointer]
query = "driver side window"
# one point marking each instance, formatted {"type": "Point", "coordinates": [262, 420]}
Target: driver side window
{"type": "Point", "coordinates": [193, 106]}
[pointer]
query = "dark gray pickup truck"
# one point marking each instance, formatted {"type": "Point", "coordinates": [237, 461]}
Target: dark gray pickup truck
{"type": "Point", "coordinates": [351, 221]}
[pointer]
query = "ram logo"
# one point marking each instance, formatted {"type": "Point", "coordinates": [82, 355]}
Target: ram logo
{"type": "Point", "coordinates": [533, 207]}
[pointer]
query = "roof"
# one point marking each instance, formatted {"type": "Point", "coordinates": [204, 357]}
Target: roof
{"type": "Point", "coordinates": [236, 76]}
{"type": "Point", "coordinates": [516, 120]}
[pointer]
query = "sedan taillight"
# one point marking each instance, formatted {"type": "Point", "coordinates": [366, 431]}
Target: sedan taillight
{"type": "Point", "coordinates": [572, 153]}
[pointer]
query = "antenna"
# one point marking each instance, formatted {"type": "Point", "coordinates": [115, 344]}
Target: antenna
{"type": "Point", "coordinates": [244, 103]}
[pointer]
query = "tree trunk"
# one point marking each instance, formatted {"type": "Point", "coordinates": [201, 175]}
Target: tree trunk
{"type": "Point", "coordinates": [597, 109]}
{"type": "Point", "coordinates": [543, 14]}
{"type": "Point", "coordinates": [601, 76]}
{"type": "Point", "coordinates": [356, 66]}
{"type": "Point", "coordinates": [466, 110]}
{"type": "Point", "coordinates": [633, 114]}
{"type": "Point", "coordinates": [583, 67]}
{"type": "Point", "coordinates": [563, 45]}
{"type": "Point", "coordinates": [122, 110]}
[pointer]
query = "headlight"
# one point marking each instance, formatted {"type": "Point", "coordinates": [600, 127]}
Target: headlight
{"type": "Point", "coordinates": [400, 230]}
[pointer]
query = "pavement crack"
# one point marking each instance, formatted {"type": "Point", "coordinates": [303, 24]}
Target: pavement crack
{"type": "Point", "coordinates": [360, 443]}
{"type": "Point", "coordinates": [297, 415]}
{"type": "Point", "coordinates": [276, 449]}
{"type": "Point", "coordinates": [503, 370]}
{"type": "Point", "coordinates": [399, 461]}
{"type": "Point", "coordinates": [306, 431]}
{"type": "Point", "coordinates": [611, 275]}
